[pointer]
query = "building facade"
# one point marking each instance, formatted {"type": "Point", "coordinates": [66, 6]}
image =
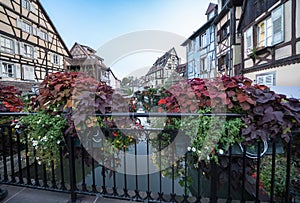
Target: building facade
{"type": "Point", "coordinates": [30, 46]}
{"type": "Point", "coordinates": [228, 41]}
{"type": "Point", "coordinates": [271, 36]}
{"type": "Point", "coordinates": [162, 69]}
{"type": "Point", "coordinates": [200, 48]}
{"type": "Point", "coordinates": [84, 59]}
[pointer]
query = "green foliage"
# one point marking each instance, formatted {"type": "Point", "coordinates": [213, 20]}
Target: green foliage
{"type": "Point", "coordinates": [44, 134]}
{"type": "Point", "coordinates": [280, 174]}
{"type": "Point", "coordinates": [210, 135]}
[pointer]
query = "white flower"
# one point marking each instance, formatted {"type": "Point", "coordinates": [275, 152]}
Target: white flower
{"type": "Point", "coordinates": [199, 152]}
{"type": "Point", "coordinates": [194, 149]}
{"type": "Point", "coordinates": [34, 143]}
{"type": "Point", "coordinates": [58, 142]}
{"type": "Point", "coordinates": [39, 162]}
{"type": "Point", "coordinates": [39, 121]}
{"type": "Point", "coordinates": [221, 151]}
{"type": "Point", "coordinates": [189, 148]}
{"type": "Point", "coordinates": [208, 158]}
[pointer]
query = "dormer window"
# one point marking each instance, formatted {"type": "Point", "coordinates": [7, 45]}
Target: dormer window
{"type": "Point", "coordinates": [211, 15]}
{"type": "Point", "coordinates": [28, 6]}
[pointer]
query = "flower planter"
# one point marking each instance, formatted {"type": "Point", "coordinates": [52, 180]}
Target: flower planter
{"type": "Point", "coordinates": [252, 151]}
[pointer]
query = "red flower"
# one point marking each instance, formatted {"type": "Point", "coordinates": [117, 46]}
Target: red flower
{"type": "Point", "coordinates": [115, 134]}
{"type": "Point", "coordinates": [162, 101]}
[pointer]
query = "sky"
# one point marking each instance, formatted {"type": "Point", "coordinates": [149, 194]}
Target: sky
{"type": "Point", "coordinates": [112, 26]}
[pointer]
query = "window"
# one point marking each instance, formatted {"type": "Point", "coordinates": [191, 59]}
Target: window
{"type": "Point", "coordinates": [211, 15]}
{"type": "Point", "coordinates": [248, 41]}
{"type": "Point", "coordinates": [203, 40]}
{"type": "Point", "coordinates": [43, 35]}
{"type": "Point", "coordinates": [203, 64]}
{"type": "Point", "coordinates": [270, 31]}
{"type": "Point", "coordinates": [26, 4]}
{"type": "Point", "coordinates": [224, 32]}
{"type": "Point", "coordinates": [223, 62]}
{"type": "Point", "coordinates": [266, 79]}
{"type": "Point", "coordinates": [28, 51]}
{"type": "Point", "coordinates": [212, 34]}
{"type": "Point", "coordinates": [8, 70]}
{"type": "Point", "coordinates": [261, 36]}
{"type": "Point", "coordinates": [7, 45]}
{"type": "Point", "coordinates": [27, 27]}
{"type": "Point", "coordinates": [55, 59]}
{"type": "Point", "coordinates": [190, 46]}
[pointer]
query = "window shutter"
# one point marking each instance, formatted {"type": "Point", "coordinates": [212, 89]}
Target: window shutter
{"type": "Point", "coordinates": [35, 53]}
{"type": "Point", "coordinates": [32, 8]}
{"type": "Point", "coordinates": [17, 71]}
{"type": "Point", "coordinates": [19, 23]}
{"type": "Point", "coordinates": [34, 31]}
{"type": "Point", "coordinates": [269, 80]}
{"type": "Point", "coordinates": [1, 70]}
{"type": "Point", "coordinates": [14, 46]}
{"type": "Point", "coordinates": [49, 38]}
{"type": "Point", "coordinates": [51, 57]}
{"type": "Point", "coordinates": [29, 73]}
{"type": "Point", "coordinates": [38, 33]}
{"type": "Point", "coordinates": [277, 20]}
{"type": "Point", "coordinates": [207, 37]}
{"type": "Point", "coordinates": [21, 48]}
{"type": "Point", "coordinates": [17, 47]}
{"type": "Point", "coordinates": [248, 40]}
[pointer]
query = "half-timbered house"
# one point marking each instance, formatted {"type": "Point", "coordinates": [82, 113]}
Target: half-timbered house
{"type": "Point", "coordinates": [200, 48]}
{"type": "Point", "coordinates": [162, 69]}
{"type": "Point", "coordinates": [228, 42]}
{"type": "Point", "coordinates": [30, 45]}
{"type": "Point", "coordinates": [271, 36]}
{"type": "Point", "coordinates": [85, 59]}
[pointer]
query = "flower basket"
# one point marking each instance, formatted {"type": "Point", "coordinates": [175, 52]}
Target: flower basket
{"type": "Point", "coordinates": [266, 148]}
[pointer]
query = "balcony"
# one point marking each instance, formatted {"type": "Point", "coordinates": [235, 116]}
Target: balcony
{"type": "Point", "coordinates": [148, 171]}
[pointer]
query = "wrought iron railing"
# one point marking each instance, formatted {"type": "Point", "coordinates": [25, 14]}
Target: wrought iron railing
{"type": "Point", "coordinates": [138, 175]}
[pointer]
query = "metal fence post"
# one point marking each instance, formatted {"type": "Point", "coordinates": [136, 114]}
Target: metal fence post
{"type": "Point", "coordinates": [72, 169]}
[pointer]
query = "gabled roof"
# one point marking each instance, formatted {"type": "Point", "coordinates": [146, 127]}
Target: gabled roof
{"type": "Point", "coordinates": [210, 8]}
{"type": "Point", "coordinates": [87, 56]}
{"type": "Point", "coordinates": [54, 28]}
{"type": "Point", "coordinates": [162, 61]}
{"type": "Point", "coordinates": [86, 50]}
{"type": "Point", "coordinates": [200, 30]}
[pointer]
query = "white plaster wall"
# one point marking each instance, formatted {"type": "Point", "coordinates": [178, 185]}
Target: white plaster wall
{"type": "Point", "coordinates": [297, 18]}
{"type": "Point", "coordinates": [248, 63]}
{"type": "Point", "coordinates": [236, 54]}
{"type": "Point", "coordinates": [285, 75]}
{"type": "Point", "coordinates": [283, 52]}
{"type": "Point", "coordinates": [298, 48]}
{"type": "Point", "coordinates": [287, 21]}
